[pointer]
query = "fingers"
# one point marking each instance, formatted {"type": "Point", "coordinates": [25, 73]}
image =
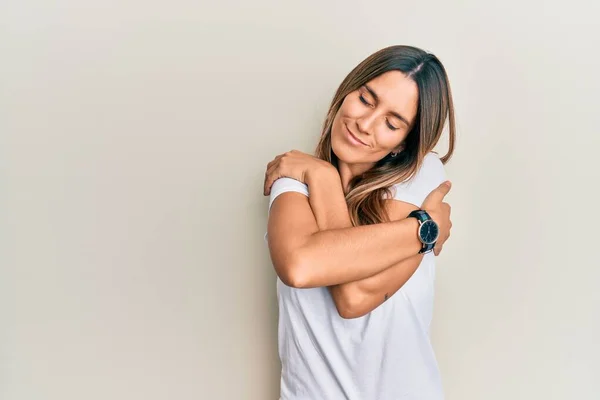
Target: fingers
{"type": "Point", "coordinates": [274, 161]}
{"type": "Point", "coordinates": [443, 189]}
{"type": "Point", "coordinates": [267, 187]}
{"type": "Point", "coordinates": [444, 237]}
{"type": "Point", "coordinates": [438, 194]}
{"type": "Point", "coordinates": [269, 176]}
{"type": "Point", "coordinates": [269, 180]}
{"type": "Point", "coordinates": [272, 173]}
{"type": "Point", "coordinates": [293, 164]}
{"type": "Point", "coordinates": [274, 169]}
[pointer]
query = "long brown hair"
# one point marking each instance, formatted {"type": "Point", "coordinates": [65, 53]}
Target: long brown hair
{"type": "Point", "coordinates": [366, 194]}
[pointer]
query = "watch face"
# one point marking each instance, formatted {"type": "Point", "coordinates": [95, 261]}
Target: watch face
{"type": "Point", "coordinates": [429, 232]}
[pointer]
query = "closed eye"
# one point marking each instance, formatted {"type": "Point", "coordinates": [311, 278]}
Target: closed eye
{"type": "Point", "coordinates": [392, 127]}
{"type": "Point", "coordinates": [364, 101]}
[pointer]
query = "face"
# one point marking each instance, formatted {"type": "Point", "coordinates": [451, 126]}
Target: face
{"type": "Point", "coordinates": [374, 120]}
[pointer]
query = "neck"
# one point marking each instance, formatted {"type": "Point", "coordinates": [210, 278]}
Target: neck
{"type": "Point", "coordinates": [349, 171]}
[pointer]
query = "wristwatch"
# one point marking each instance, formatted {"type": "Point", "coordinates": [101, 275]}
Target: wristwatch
{"type": "Point", "coordinates": [428, 230]}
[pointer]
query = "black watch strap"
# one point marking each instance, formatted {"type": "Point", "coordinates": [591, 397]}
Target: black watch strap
{"type": "Point", "coordinates": [426, 248]}
{"type": "Point", "coordinates": [422, 216]}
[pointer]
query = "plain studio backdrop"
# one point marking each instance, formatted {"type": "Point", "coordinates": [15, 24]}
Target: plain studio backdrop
{"type": "Point", "coordinates": [134, 140]}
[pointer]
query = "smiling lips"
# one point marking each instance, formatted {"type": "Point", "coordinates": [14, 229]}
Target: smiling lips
{"type": "Point", "coordinates": [353, 138]}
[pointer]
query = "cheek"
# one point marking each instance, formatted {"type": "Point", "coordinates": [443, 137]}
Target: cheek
{"type": "Point", "coordinates": [389, 140]}
{"type": "Point", "coordinates": [345, 114]}
{"type": "Point", "coordinates": [337, 123]}
{"type": "Point", "coordinates": [351, 107]}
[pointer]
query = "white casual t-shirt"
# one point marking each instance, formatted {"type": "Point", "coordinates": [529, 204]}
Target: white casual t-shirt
{"type": "Point", "coordinates": [384, 355]}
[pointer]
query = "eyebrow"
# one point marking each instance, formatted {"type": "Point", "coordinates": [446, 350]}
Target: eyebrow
{"type": "Point", "coordinates": [395, 114]}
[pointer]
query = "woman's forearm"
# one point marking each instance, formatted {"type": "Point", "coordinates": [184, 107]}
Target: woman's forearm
{"type": "Point", "coordinates": [340, 253]}
{"type": "Point", "coordinates": [329, 207]}
{"type": "Point", "coordinates": [328, 202]}
{"type": "Point", "coordinates": [357, 298]}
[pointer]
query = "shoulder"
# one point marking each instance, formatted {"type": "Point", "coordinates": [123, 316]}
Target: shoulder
{"type": "Point", "coordinates": [430, 175]}
{"type": "Point", "coordinates": [432, 169]}
{"type": "Point", "coordinates": [283, 185]}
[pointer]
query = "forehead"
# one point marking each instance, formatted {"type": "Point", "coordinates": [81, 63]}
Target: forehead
{"type": "Point", "coordinates": [397, 92]}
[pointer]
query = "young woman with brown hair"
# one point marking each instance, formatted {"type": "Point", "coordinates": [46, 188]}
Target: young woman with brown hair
{"type": "Point", "coordinates": [352, 234]}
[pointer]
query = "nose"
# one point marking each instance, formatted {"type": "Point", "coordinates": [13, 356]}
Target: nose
{"type": "Point", "coordinates": [365, 123]}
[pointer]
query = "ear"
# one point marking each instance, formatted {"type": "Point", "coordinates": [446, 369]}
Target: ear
{"type": "Point", "coordinates": [399, 148]}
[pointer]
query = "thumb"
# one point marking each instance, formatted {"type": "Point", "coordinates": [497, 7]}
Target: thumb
{"type": "Point", "coordinates": [437, 195]}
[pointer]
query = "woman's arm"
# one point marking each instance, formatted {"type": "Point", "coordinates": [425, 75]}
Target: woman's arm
{"type": "Point", "coordinates": [357, 298]}
{"type": "Point", "coordinates": [304, 256]}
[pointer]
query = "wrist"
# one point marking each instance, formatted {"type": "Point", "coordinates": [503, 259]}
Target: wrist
{"type": "Point", "coordinates": [324, 172]}
{"type": "Point", "coordinates": [428, 231]}
{"type": "Point", "coordinates": [412, 241]}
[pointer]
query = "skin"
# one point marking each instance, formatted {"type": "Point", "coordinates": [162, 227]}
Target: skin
{"type": "Point", "coordinates": [374, 121]}
{"type": "Point", "coordinates": [361, 266]}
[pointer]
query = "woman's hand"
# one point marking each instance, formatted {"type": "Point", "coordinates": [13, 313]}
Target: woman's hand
{"type": "Point", "coordinates": [439, 211]}
{"type": "Point", "coordinates": [293, 164]}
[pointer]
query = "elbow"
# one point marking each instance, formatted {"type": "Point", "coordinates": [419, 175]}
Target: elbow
{"type": "Point", "coordinates": [350, 304]}
{"type": "Point", "coordinates": [292, 279]}
{"type": "Point", "coordinates": [295, 274]}
{"type": "Point", "coordinates": [351, 312]}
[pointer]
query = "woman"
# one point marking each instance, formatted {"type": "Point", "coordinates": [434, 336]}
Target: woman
{"type": "Point", "coordinates": [354, 262]}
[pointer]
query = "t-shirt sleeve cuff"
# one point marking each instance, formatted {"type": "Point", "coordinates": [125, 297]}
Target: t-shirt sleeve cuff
{"type": "Point", "coordinates": [283, 185]}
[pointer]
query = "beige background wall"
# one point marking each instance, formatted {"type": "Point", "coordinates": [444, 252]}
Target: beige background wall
{"type": "Point", "coordinates": [134, 137]}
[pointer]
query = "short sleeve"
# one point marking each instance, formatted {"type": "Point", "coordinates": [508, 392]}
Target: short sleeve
{"type": "Point", "coordinates": [429, 176]}
{"type": "Point", "coordinates": [283, 185]}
